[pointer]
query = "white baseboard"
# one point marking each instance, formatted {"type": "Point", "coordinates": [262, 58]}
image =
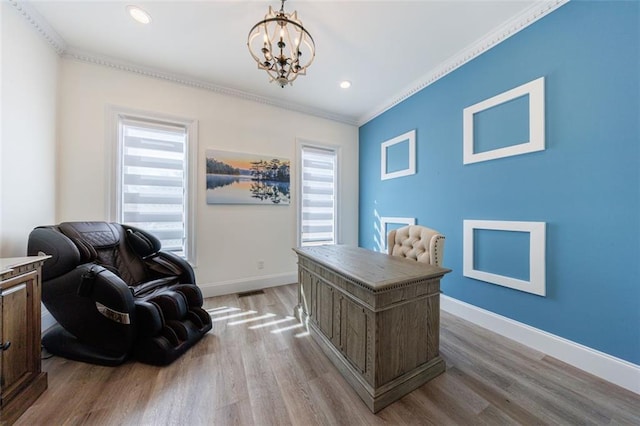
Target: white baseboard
{"type": "Point", "coordinates": [247, 284]}
{"type": "Point", "coordinates": [607, 367]}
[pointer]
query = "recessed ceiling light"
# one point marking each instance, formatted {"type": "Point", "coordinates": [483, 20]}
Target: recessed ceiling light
{"type": "Point", "coordinates": [138, 14]}
{"type": "Point", "coordinates": [345, 84]}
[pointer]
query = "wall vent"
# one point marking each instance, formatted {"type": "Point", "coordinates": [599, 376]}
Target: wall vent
{"type": "Point", "coordinates": [250, 293]}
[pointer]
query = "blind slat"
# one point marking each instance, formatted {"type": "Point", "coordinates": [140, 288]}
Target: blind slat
{"type": "Point", "coordinates": [153, 171]}
{"type": "Point", "coordinates": [318, 183]}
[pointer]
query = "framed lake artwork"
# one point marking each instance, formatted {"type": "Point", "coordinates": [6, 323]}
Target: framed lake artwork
{"type": "Point", "coordinates": [240, 178]}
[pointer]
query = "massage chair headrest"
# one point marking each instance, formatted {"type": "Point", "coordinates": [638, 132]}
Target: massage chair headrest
{"type": "Point", "coordinates": [65, 255]}
{"type": "Point", "coordinates": [74, 243]}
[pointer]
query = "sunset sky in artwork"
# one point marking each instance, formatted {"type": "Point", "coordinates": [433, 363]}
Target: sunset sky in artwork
{"type": "Point", "coordinates": [238, 163]}
{"type": "Point", "coordinates": [238, 159]}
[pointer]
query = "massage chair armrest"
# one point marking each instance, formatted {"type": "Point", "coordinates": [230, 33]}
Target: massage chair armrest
{"type": "Point", "coordinates": [112, 295]}
{"type": "Point", "coordinates": [148, 247]}
{"type": "Point", "coordinates": [94, 305]}
{"type": "Point", "coordinates": [187, 276]}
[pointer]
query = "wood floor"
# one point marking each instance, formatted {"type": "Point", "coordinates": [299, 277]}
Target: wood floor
{"type": "Point", "coordinates": [258, 366]}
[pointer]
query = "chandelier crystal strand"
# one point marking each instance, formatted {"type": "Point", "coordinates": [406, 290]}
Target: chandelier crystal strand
{"type": "Point", "coordinates": [274, 49]}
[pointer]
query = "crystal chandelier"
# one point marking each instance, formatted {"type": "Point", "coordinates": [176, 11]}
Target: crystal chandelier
{"type": "Point", "coordinates": [281, 46]}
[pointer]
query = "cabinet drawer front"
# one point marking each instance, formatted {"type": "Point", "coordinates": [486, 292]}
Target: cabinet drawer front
{"type": "Point", "coordinates": [21, 376]}
{"type": "Point", "coordinates": [17, 328]}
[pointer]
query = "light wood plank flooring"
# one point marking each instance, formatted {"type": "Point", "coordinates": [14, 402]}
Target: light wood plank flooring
{"type": "Point", "coordinates": [258, 366]}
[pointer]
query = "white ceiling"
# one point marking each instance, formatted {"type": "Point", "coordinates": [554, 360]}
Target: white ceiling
{"type": "Point", "coordinates": [387, 49]}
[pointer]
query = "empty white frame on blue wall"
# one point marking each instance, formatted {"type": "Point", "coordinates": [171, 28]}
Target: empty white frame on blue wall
{"type": "Point", "coordinates": [409, 162]}
{"type": "Point", "coordinates": [384, 228]}
{"type": "Point", "coordinates": [536, 283]}
{"type": "Point", "coordinates": [534, 90]}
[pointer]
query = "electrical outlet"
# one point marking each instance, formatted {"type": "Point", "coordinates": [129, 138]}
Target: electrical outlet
{"type": "Point", "coordinates": [260, 264]}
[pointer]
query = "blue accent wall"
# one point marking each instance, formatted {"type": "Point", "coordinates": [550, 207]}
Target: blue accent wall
{"type": "Point", "coordinates": [585, 185]}
{"type": "Point", "coordinates": [398, 157]}
{"type": "Point", "coordinates": [501, 126]}
{"type": "Point", "coordinates": [502, 252]}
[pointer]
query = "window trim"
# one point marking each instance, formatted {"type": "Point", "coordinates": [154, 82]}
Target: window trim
{"type": "Point", "coordinates": [113, 166]}
{"type": "Point", "coordinates": [300, 145]}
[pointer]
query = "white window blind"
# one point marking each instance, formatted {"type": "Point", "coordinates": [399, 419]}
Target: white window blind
{"type": "Point", "coordinates": [318, 196]}
{"type": "Point", "coordinates": [153, 174]}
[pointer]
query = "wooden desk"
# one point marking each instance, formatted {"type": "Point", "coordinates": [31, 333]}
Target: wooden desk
{"type": "Point", "coordinates": [377, 317]}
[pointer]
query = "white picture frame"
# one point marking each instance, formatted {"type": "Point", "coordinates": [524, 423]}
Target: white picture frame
{"type": "Point", "coordinates": [537, 265]}
{"type": "Point", "coordinates": [384, 221]}
{"type": "Point", "coordinates": [411, 169]}
{"type": "Point", "coordinates": [536, 142]}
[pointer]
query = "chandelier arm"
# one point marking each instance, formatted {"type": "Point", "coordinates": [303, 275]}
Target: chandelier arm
{"type": "Point", "coordinates": [294, 55]}
{"type": "Point", "coordinates": [267, 39]}
{"type": "Point", "coordinates": [256, 58]}
{"type": "Point", "coordinates": [312, 50]}
{"type": "Point", "coordinates": [281, 60]}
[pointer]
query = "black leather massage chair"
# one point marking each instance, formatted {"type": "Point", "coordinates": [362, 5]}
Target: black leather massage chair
{"type": "Point", "coordinates": [115, 294]}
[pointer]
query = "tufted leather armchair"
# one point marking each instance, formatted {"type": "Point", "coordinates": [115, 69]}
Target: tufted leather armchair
{"type": "Point", "coordinates": [418, 243]}
{"type": "Point", "coordinates": [115, 294]}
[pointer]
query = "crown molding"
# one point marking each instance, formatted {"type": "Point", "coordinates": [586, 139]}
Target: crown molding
{"type": "Point", "coordinates": [40, 25]}
{"type": "Point", "coordinates": [92, 58]}
{"type": "Point", "coordinates": [511, 27]}
{"type": "Point", "coordinates": [495, 37]}
{"type": "Point", "coordinates": [43, 28]}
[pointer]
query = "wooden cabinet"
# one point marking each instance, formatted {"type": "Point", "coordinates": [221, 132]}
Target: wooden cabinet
{"type": "Point", "coordinates": [377, 317]}
{"type": "Point", "coordinates": [21, 376]}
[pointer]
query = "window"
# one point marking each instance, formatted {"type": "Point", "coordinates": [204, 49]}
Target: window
{"type": "Point", "coordinates": [317, 206]}
{"type": "Point", "coordinates": [153, 179]}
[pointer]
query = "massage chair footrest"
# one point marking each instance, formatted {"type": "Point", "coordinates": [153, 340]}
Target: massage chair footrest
{"type": "Point", "coordinates": [173, 340]}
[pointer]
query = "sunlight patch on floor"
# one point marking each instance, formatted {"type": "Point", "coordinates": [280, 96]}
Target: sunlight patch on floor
{"type": "Point", "coordinates": [244, 321]}
{"type": "Point", "coordinates": [291, 327]}
{"type": "Point", "coordinates": [219, 308]}
{"type": "Point", "coordinates": [223, 310]}
{"type": "Point", "coordinates": [267, 324]}
{"type": "Point", "coordinates": [273, 320]}
{"type": "Point", "coordinates": [241, 314]}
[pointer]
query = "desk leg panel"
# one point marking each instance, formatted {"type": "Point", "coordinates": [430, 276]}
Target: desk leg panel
{"type": "Point", "coordinates": [357, 382]}
{"type": "Point", "coordinates": [377, 399]}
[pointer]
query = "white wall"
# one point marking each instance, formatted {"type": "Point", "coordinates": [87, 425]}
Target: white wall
{"type": "Point", "coordinates": [230, 238]}
{"type": "Point", "coordinates": [29, 78]}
